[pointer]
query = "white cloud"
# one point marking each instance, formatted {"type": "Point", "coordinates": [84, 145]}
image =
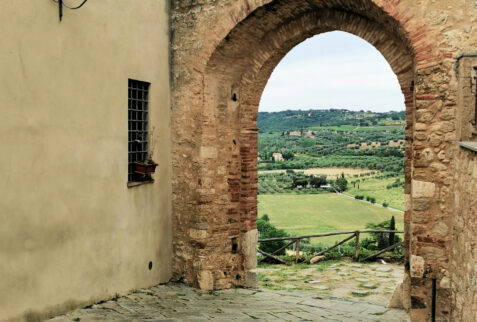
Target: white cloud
{"type": "Point", "coordinates": [333, 70]}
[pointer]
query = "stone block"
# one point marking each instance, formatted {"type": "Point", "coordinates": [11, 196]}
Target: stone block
{"type": "Point", "coordinates": [422, 189]}
{"type": "Point", "coordinates": [397, 298]}
{"type": "Point", "coordinates": [249, 248]}
{"type": "Point", "coordinates": [417, 266]}
{"type": "Point", "coordinates": [197, 233]}
{"type": "Point", "coordinates": [206, 280]}
{"type": "Point", "coordinates": [421, 204]}
{"type": "Point", "coordinates": [432, 252]}
{"type": "Point", "coordinates": [208, 152]}
{"type": "Point", "coordinates": [420, 126]}
{"type": "Point", "coordinates": [440, 229]}
{"type": "Point", "coordinates": [316, 259]}
{"type": "Point", "coordinates": [424, 116]}
{"type": "Point", "coordinates": [445, 283]}
{"type": "Point", "coordinates": [407, 202]}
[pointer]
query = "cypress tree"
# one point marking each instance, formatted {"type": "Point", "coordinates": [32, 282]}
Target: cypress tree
{"type": "Point", "coordinates": [392, 226]}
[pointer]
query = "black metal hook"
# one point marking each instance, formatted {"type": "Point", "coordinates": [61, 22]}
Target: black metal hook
{"type": "Point", "coordinates": [60, 9]}
{"type": "Point", "coordinates": [61, 4]}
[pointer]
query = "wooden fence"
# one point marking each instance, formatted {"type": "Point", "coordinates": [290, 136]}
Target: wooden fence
{"type": "Point", "coordinates": [353, 234]}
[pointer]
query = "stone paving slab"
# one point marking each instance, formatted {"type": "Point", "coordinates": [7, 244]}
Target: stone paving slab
{"type": "Point", "coordinates": [177, 302]}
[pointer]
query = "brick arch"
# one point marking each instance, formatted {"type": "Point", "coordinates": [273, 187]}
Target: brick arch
{"type": "Point", "coordinates": [225, 78]}
{"type": "Point", "coordinates": [269, 55]}
{"type": "Point", "coordinates": [240, 67]}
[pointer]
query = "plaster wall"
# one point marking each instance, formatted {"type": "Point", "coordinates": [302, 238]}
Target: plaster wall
{"type": "Point", "coordinates": [71, 231]}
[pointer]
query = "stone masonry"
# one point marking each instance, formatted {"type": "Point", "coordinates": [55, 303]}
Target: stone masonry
{"type": "Point", "coordinates": [223, 52]}
{"type": "Point", "coordinates": [176, 302]}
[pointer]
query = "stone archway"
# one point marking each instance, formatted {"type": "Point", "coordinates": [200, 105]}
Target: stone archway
{"type": "Point", "coordinates": [217, 88]}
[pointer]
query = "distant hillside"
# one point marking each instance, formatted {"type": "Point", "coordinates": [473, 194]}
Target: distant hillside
{"type": "Point", "coordinates": [295, 120]}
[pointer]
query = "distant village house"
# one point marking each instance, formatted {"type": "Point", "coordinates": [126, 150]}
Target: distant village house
{"type": "Point", "coordinates": [277, 157]}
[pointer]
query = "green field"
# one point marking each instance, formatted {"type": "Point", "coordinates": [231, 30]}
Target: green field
{"type": "Point", "coordinates": [377, 188]}
{"type": "Point", "coordinates": [313, 214]}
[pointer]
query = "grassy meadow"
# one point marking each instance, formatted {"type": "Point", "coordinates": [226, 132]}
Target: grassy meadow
{"type": "Point", "coordinates": [321, 213]}
{"type": "Point", "coordinates": [376, 188]}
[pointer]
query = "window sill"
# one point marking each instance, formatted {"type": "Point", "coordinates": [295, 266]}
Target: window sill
{"type": "Point", "coordinates": [139, 183]}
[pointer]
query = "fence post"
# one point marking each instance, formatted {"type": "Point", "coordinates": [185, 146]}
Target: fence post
{"type": "Point", "coordinates": [297, 251]}
{"type": "Point", "coordinates": [356, 251]}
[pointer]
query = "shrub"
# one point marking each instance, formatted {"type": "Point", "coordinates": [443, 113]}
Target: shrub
{"type": "Point", "coordinates": [383, 240]}
{"type": "Point", "coordinates": [267, 230]}
{"type": "Point", "coordinates": [318, 181]}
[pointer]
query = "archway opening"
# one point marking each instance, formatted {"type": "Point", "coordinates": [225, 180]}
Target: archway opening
{"type": "Point", "coordinates": [215, 222]}
{"type": "Point", "coordinates": [330, 160]}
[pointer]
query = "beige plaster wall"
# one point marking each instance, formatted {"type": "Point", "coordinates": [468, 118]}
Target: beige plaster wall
{"type": "Point", "coordinates": [71, 230]}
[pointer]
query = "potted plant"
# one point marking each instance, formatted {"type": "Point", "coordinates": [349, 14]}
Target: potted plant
{"type": "Point", "coordinates": [148, 166]}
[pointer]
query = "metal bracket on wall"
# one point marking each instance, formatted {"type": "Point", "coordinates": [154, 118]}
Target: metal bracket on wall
{"type": "Point", "coordinates": [62, 4]}
{"type": "Point", "coordinates": [472, 146]}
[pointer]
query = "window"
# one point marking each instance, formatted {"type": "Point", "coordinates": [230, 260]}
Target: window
{"type": "Point", "coordinates": [138, 117]}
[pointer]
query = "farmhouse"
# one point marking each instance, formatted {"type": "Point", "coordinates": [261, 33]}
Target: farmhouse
{"type": "Point", "coordinates": [277, 157]}
{"type": "Point", "coordinates": [129, 143]}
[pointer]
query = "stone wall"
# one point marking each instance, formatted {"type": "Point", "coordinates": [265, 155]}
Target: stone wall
{"type": "Point", "coordinates": [223, 54]}
{"type": "Point", "coordinates": [460, 280]}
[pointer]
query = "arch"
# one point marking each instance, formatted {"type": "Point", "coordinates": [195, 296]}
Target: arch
{"type": "Point", "coordinates": [222, 84]}
{"type": "Point", "coordinates": [236, 75]}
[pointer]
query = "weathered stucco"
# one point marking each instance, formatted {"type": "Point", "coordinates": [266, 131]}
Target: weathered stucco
{"type": "Point", "coordinates": [223, 54]}
{"type": "Point", "coordinates": [71, 231]}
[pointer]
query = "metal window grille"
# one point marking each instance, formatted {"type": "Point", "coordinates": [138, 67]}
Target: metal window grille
{"type": "Point", "coordinates": [138, 116]}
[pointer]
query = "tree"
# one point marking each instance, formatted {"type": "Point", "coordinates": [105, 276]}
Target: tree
{"type": "Point", "coordinates": [341, 184]}
{"type": "Point", "coordinates": [382, 239]}
{"type": "Point", "coordinates": [267, 230]}
{"type": "Point", "coordinates": [287, 154]}
{"type": "Point", "coordinates": [300, 182]}
{"type": "Point", "coordinates": [392, 226]}
{"type": "Point", "coordinates": [318, 181]}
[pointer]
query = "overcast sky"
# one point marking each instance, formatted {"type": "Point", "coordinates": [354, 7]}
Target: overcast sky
{"type": "Point", "coordinates": [333, 70]}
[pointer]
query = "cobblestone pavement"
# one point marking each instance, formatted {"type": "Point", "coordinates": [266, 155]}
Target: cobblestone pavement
{"type": "Point", "coordinates": [176, 302]}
